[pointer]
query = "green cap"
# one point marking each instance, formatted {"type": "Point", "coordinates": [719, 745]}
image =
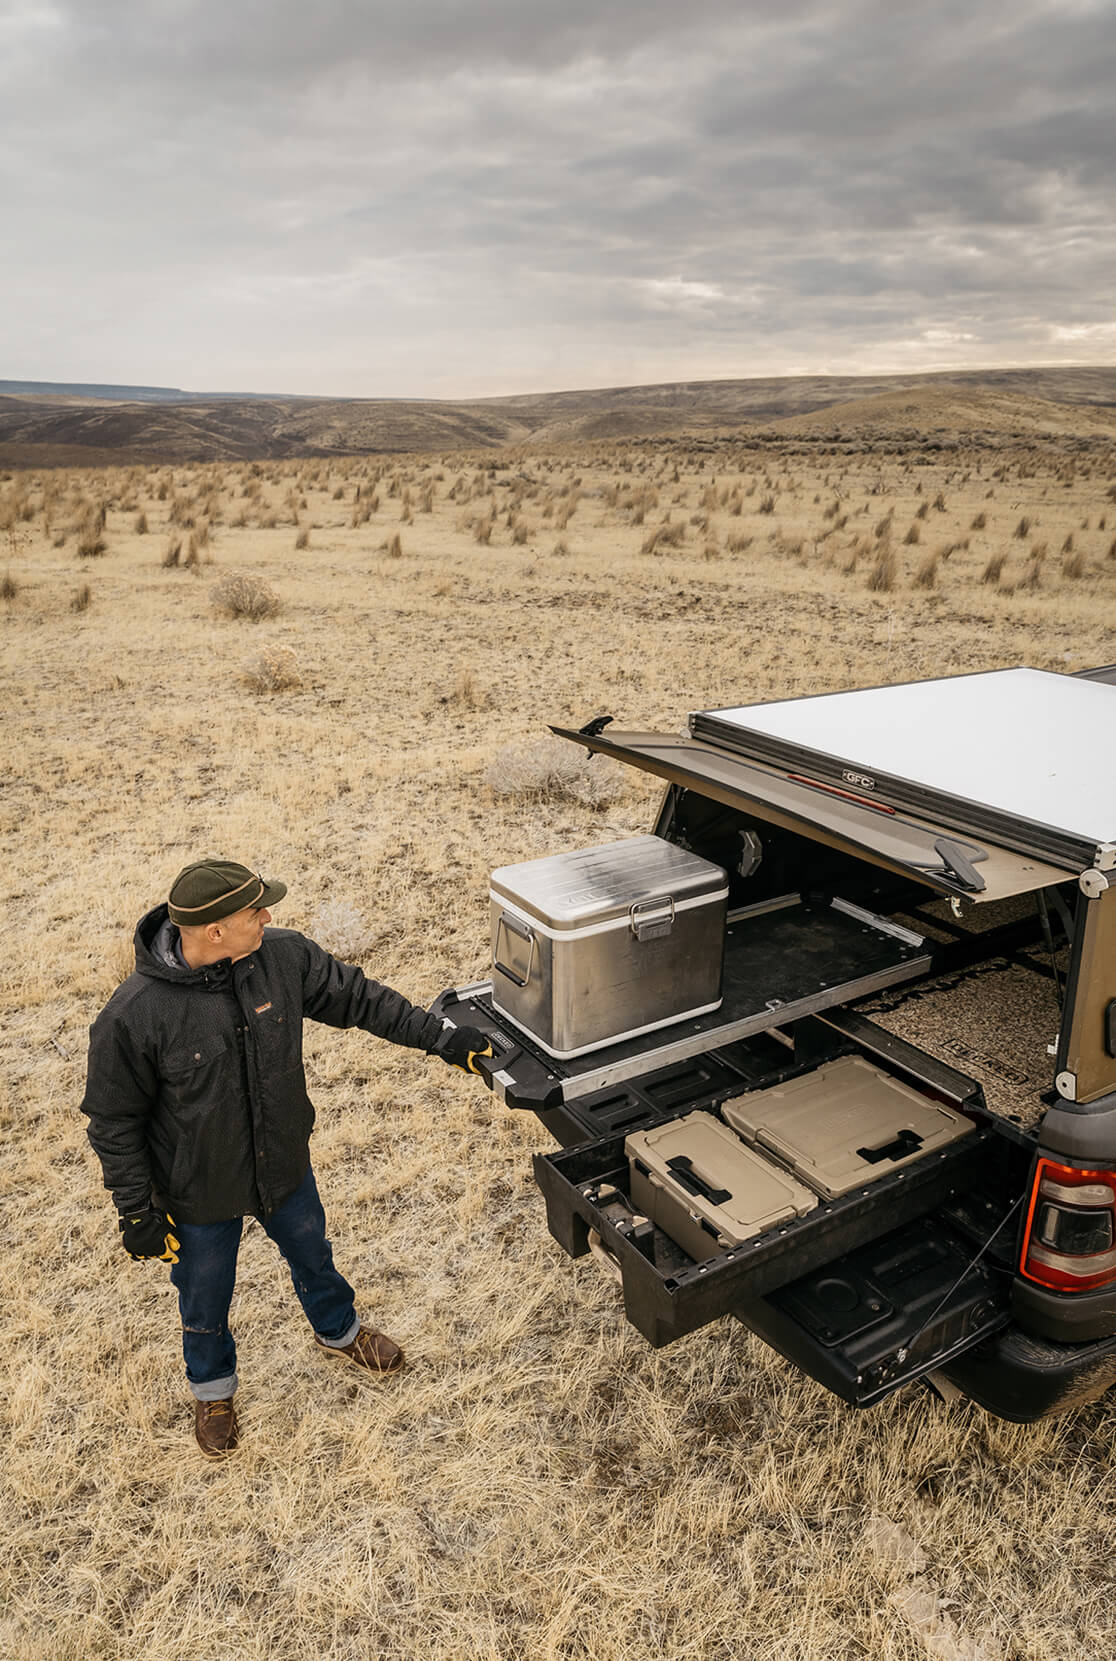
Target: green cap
{"type": "Point", "coordinates": [210, 889]}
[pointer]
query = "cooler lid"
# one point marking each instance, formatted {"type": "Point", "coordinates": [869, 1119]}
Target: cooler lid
{"type": "Point", "coordinates": [744, 1193]}
{"type": "Point", "coordinates": [594, 885]}
{"type": "Point", "coordinates": [845, 1124]}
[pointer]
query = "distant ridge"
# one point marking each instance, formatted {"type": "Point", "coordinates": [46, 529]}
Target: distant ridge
{"type": "Point", "coordinates": [119, 394]}
{"type": "Point", "coordinates": [103, 425]}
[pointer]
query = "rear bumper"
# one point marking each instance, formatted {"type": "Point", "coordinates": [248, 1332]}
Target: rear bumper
{"type": "Point", "coordinates": [1070, 1319]}
{"type": "Point", "coordinates": [1018, 1377]}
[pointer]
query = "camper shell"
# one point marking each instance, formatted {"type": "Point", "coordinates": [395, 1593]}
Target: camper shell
{"type": "Point", "coordinates": [887, 852]}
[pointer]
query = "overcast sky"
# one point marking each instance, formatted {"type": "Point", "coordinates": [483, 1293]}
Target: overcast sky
{"type": "Point", "coordinates": [445, 198]}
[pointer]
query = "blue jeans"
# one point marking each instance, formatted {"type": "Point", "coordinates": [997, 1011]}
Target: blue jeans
{"type": "Point", "coordinates": [205, 1275]}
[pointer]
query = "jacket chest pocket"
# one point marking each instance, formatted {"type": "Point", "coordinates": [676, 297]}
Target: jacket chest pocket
{"type": "Point", "coordinates": [194, 1074]}
{"type": "Point", "coordinates": [278, 1039]}
{"type": "Point", "coordinates": [193, 1056]}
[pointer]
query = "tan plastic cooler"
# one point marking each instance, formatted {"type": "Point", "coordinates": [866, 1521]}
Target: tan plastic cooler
{"type": "Point", "coordinates": [702, 1186]}
{"type": "Point", "coordinates": [844, 1125]}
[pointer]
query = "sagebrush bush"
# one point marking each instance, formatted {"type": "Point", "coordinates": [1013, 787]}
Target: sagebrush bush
{"type": "Point", "coordinates": [550, 769]}
{"type": "Point", "coordinates": [244, 596]}
{"type": "Point", "coordinates": [275, 669]}
{"type": "Point", "coordinates": [342, 930]}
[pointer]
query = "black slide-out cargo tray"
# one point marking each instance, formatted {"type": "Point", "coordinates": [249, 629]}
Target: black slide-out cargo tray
{"type": "Point", "coordinates": [782, 963]}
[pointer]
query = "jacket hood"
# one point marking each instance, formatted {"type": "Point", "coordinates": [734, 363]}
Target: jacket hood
{"type": "Point", "coordinates": [151, 939]}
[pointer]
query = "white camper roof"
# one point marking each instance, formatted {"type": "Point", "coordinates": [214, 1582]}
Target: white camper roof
{"type": "Point", "coordinates": [1026, 755]}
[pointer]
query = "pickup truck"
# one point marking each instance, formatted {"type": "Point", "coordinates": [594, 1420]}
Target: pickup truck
{"type": "Point", "coordinates": [889, 851]}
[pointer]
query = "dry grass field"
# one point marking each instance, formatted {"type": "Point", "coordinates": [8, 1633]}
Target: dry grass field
{"type": "Point", "coordinates": [539, 1483]}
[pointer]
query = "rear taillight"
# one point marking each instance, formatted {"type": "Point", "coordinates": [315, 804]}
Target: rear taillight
{"type": "Point", "coordinates": [1069, 1241]}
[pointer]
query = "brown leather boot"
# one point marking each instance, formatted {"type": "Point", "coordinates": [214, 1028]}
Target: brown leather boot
{"type": "Point", "coordinates": [372, 1351]}
{"type": "Point", "coordinates": [216, 1428]}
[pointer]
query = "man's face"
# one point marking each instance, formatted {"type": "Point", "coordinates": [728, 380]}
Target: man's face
{"type": "Point", "coordinates": [242, 931]}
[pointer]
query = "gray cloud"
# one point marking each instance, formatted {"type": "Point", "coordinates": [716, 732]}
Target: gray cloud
{"type": "Point", "coordinates": [453, 198]}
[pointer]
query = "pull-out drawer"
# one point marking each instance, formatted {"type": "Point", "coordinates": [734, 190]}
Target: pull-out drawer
{"type": "Point", "coordinates": [667, 1293]}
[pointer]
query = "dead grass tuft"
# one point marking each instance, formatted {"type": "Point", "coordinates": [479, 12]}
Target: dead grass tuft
{"type": "Point", "coordinates": [466, 691]}
{"type": "Point", "coordinates": [926, 575]}
{"type": "Point", "coordinates": [82, 598]}
{"type": "Point", "coordinates": [881, 578]}
{"type": "Point", "coordinates": [90, 543]}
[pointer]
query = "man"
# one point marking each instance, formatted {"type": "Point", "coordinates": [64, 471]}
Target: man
{"type": "Point", "coordinates": [198, 1112]}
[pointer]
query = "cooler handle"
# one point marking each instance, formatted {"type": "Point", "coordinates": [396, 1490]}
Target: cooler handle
{"type": "Point", "coordinates": [686, 1177]}
{"type": "Point", "coordinates": [511, 926]}
{"type": "Point", "coordinates": [652, 924]}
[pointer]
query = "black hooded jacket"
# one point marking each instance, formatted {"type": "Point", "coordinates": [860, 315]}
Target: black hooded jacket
{"type": "Point", "coordinates": [196, 1093]}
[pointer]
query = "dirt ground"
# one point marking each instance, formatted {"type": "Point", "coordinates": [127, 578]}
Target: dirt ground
{"type": "Point", "coordinates": [539, 1483]}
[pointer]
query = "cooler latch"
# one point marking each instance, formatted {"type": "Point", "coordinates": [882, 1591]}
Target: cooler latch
{"type": "Point", "coordinates": [651, 919]}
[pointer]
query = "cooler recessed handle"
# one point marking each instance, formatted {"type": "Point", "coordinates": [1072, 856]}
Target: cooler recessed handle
{"type": "Point", "coordinates": [511, 925]}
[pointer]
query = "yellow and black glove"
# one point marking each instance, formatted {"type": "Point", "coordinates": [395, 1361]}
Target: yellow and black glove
{"type": "Point", "coordinates": [460, 1047]}
{"type": "Point", "coordinates": [149, 1233]}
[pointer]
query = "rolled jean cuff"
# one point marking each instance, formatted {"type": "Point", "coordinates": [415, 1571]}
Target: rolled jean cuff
{"type": "Point", "coordinates": [214, 1389]}
{"type": "Point", "coordinates": [341, 1343]}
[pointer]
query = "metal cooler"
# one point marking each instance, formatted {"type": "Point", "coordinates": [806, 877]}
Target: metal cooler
{"type": "Point", "coordinates": [597, 946]}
